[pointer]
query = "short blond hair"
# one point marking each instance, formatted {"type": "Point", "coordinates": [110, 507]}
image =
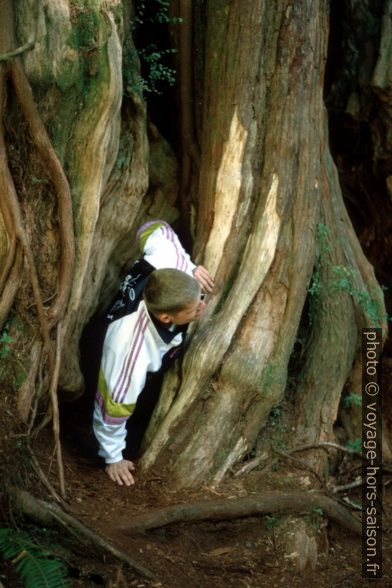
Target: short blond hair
{"type": "Point", "coordinates": [170, 290]}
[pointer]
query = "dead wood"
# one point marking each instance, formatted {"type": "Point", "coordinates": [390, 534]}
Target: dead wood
{"type": "Point", "coordinates": [49, 514]}
{"type": "Point", "coordinates": [252, 464]}
{"type": "Point", "coordinates": [258, 504]}
{"type": "Point", "coordinates": [344, 487]}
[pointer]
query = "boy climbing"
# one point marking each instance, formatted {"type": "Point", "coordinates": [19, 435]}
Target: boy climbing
{"type": "Point", "coordinates": [158, 298]}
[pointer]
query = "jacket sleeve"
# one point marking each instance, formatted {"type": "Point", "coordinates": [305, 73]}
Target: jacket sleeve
{"type": "Point", "coordinates": [111, 412]}
{"type": "Point", "coordinates": [162, 248]}
{"type": "Point", "coordinates": [111, 437]}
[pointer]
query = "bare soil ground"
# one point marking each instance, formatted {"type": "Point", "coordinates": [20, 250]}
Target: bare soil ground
{"type": "Point", "coordinates": [212, 554]}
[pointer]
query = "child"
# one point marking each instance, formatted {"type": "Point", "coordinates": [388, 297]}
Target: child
{"type": "Point", "coordinates": [147, 332]}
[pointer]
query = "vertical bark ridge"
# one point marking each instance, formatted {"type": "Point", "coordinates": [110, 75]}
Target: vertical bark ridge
{"type": "Point", "coordinates": [230, 371]}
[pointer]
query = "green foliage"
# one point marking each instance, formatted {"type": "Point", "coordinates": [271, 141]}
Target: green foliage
{"type": "Point", "coordinates": [316, 518]}
{"type": "Point", "coordinates": [151, 22]}
{"type": "Point", "coordinates": [354, 445]}
{"type": "Point", "coordinates": [318, 510]}
{"type": "Point", "coordinates": [35, 565]}
{"type": "Point", "coordinates": [158, 72]}
{"type": "Point", "coordinates": [343, 280]}
{"type": "Point", "coordinates": [352, 399]}
{"type": "Point", "coordinates": [160, 15]}
{"type": "Point", "coordinates": [271, 521]}
{"type": "Point", "coordinates": [5, 344]}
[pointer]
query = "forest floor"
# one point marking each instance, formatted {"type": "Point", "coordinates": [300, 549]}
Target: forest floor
{"type": "Point", "coordinates": [243, 552]}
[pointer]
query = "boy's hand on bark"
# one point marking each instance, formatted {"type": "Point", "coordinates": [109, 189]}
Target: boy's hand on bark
{"type": "Point", "coordinates": [204, 278]}
{"type": "Point", "coordinates": [120, 472]}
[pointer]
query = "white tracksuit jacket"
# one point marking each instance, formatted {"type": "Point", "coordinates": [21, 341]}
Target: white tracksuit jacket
{"type": "Point", "coordinates": [133, 347]}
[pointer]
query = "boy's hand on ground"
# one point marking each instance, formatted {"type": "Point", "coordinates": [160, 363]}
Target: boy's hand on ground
{"type": "Point", "coordinates": [120, 472]}
{"type": "Point", "coordinates": [204, 278]}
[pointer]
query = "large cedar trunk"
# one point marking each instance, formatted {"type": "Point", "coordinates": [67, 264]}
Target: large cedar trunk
{"type": "Point", "coordinates": [269, 212]}
{"type": "Point", "coordinates": [259, 190]}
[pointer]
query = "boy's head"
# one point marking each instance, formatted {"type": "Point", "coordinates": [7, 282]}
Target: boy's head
{"type": "Point", "coordinates": [173, 296]}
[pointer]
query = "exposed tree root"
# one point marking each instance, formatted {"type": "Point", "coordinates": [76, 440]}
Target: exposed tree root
{"type": "Point", "coordinates": [7, 219]}
{"type": "Point", "coordinates": [292, 502]}
{"type": "Point", "coordinates": [326, 445]}
{"type": "Point", "coordinates": [300, 464]}
{"type": "Point", "coordinates": [62, 189]}
{"type": "Point", "coordinates": [43, 478]}
{"type": "Point", "coordinates": [49, 514]}
{"type": "Point", "coordinates": [27, 391]}
{"type": "Point", "coordinates": [17, 234]}
{"type": "Point", "coordinates": [357, 482]}
{"type": "Point", "coordinates": [331, 445]}
{"type": "Point", "coordinates": [27, 46]}
{"type": "Point", "coordinates": [11, 286]}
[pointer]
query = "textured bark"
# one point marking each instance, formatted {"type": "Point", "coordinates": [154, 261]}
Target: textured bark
{"type": "Point", "coordinates": [266, 182]}
{"type": "Point", "coordinates": [101, 138]}
{"type": "Point", "coordinates": [263, 187]}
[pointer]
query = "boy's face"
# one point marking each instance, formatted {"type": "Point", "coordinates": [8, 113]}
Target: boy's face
{"type": "Point", "coordinates": [191, 312]}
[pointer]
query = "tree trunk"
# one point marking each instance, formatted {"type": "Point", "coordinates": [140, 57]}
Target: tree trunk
{"type": "Point", "coordinates": [100, 133]}
{"type": "Point", "coordinates": [267, 188]}
{"type": "Point", "coordinates": [265, 206]}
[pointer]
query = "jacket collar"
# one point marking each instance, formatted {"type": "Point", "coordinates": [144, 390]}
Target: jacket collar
{"type": "Point", "coordinates": [163, 329]}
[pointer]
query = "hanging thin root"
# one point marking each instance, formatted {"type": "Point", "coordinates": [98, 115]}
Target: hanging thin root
{"type": "Point", "coordinates": [55, 408]}
{"type": "Point", "coordinates": [11, 67]}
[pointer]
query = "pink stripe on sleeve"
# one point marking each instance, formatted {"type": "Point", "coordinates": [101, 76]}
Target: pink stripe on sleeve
{"type": "Point", "coordinates": [120, 380]}
{"type": "Point", "coordinates": [127, 379]}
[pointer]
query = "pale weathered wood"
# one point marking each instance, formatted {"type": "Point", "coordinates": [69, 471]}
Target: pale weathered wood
{"type": "Point", "coordinates": [266, 182]}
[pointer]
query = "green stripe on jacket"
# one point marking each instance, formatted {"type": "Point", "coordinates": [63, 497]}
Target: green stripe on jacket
{"type": "Point", "coordinates": [145, 235]}
{"type": "Point", "coordinates": [114, 409]}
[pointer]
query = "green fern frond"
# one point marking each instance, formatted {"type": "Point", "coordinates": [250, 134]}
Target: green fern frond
{"type": "Point", "coordinates": [35, 565]}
